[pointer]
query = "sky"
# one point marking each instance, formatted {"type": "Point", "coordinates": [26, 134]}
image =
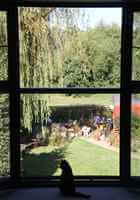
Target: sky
{"type": "Point", "coordinates": [90, 17]}
{"type": "Point", "coordinates": [107, 15]}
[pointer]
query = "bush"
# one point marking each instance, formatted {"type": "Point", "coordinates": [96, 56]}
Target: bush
{"type": "Point", "coordinates": [135, 126]}
{"type": "Point", "coordinates": [116, 123]}
{"type": "Point", "coordinates": [58, 140]}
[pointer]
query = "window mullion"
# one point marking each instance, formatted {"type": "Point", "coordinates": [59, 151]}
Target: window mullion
{"type": "Point", "coordinates": [13, 72]}
{"type": "Point", "coordinates": [125, 95]}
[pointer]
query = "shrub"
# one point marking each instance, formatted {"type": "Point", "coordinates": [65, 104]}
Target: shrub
{"type": "Point", "coordinates": [135, 126]}
{"type": "Point", "coordinates": [58, 140]}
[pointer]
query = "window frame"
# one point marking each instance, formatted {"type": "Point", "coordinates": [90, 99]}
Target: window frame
{"type": "Point", "coordinates": [134, 87]}
{"type": "Point", "coordinates": [4, 87]}
{"type": "Point", "coordinates": [127, 87]}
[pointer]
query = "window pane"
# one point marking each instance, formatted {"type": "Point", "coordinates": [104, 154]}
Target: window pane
{"type": "Point", "coordinates": [136, 48]}
{"type": "Point", "coordinates": [4, 136]}
{"type": "Point", "coordinates": [72, 127]}
{"type": "Point", "coordinates": [3, 28]}
{"type": "Point", "coordinates": [3, 63]}
{"type": "Point", "coordinates": [70, 47]}
{"type": "Point", "coordinates": [135, 135]}
{"type": "Point", "coordinates": [3, 47]}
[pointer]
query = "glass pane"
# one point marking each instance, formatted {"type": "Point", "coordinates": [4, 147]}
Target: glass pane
{"type": "Point", "coordinates": [3, 47]}
{"type": "Point", "coordinates": [70, 47]}
{"type": "Point", "coordinates": [4, 136]}
{"type": "Point", "coordinates": [136, 48]}
{"type": "Point", "coordinates": [135, 135]}
{"type": "Point", "coordinates": [71, 127]}
{"type": "Point", "coordinates": [3, 28]}
{"type": "Point", "coordinates": [136, 64]}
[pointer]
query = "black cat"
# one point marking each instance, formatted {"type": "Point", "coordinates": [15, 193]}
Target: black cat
{"type": "Point", "coordinates": [67, 185]}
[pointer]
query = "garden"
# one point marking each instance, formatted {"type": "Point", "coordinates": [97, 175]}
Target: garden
{"type": "Point", "coordinates": [65, 139]}
{"type": "Point", "coordinates": [79, 127]}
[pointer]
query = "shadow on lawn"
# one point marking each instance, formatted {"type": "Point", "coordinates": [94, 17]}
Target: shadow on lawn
{"type": "Point", "coordinates": [44, 164]}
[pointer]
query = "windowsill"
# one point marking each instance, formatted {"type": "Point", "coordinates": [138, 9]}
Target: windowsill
{"type": "Point", "coordinates": [52, 193]}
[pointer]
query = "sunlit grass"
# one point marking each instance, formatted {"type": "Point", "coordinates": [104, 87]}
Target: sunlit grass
{"type": "Point", "coordinates": [85, 159]}
{"type": "Point", "coordinates": [86, 99]}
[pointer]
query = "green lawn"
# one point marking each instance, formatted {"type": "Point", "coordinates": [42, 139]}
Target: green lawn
{"type": "Point", "coordinates": [85, 159]}
{"type": "Point", "coordinates": [135, 167]}
{"type": "Point", "coordinates": [86, 99]}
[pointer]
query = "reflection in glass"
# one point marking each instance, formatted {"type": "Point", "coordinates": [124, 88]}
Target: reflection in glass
{"type": "Point", "coordinates": [65, 47]}
{"type": "Point", "coordinates": [81, 128]}
{"type": "Point", "coordinates": [4, 135]}
{"type": "Point", "coordinates": [135, 135]}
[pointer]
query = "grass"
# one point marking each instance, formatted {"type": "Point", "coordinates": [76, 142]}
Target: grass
{"type": "Point", "coordinates": [135, 167]}
{"type": "Point", "coordinates": [86, 99]}
{"type": "Point", "coordinates": [85, 159]}
{"type": "Point", "coordinates": [90, 159]}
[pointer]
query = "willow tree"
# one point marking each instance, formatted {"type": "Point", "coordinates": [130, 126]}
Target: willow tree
{"type": "Point", "coordinates": [44, 33]}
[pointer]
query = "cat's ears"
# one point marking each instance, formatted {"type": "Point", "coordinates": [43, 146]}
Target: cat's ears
{"type": "Point", "coordinates": [63, 161]}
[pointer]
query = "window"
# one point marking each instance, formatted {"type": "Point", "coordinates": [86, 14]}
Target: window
{"type": "Point", "coordinates": [4, 136]}
{"type": "Point", "coordinates": [3, 47]}
{"type": "Point", "coordinates": [81, 132]}
{"type": "Point", "coordinates": [135, 170]}
{"type": "Point", "coordinates": [4, 100]}
{"type": "Point", "coordinates": [136, 46]}
{"type": "Point", "coordinates": [63, 48]}
{"type": "Point", "coordinates": [65, 100]}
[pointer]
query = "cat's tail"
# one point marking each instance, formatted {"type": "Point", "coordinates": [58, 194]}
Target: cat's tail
{"type": "Point", "coordinates": [79, 194]}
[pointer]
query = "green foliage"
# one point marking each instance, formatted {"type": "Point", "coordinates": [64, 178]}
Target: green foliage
{"type": "Point", "coordinates": [135, 132]}
{"type": "Point", "coordinates": [95, 59]}
{"type": "Point", "coordinates": [34, 109]}
{"type": "Point", "coordinates": [57, 140]}
{"type": "Point", "coordinates": [4, 136]}
{"type": "Point", "coordinates": [135, 127]}
{"type": "Point", "coordinates": [3, 50]}
{"type": "Point", "coordinates": [4, 103]}
{"type": "Point", "coordinates": [52, 56]}
{"type": "Point", "coordinates": [136, 45]}
{"type": "Point", "coordinates": [42, 53]}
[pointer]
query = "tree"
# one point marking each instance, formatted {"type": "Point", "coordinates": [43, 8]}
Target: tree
{"type": "Point", "coordinates": [42, 41]}
{"type": "Point", "coordinates": [93, 58]}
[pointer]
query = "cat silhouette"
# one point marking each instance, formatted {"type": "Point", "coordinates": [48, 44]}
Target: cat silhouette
{"type": "Point", "coordinates": [67, 184]}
